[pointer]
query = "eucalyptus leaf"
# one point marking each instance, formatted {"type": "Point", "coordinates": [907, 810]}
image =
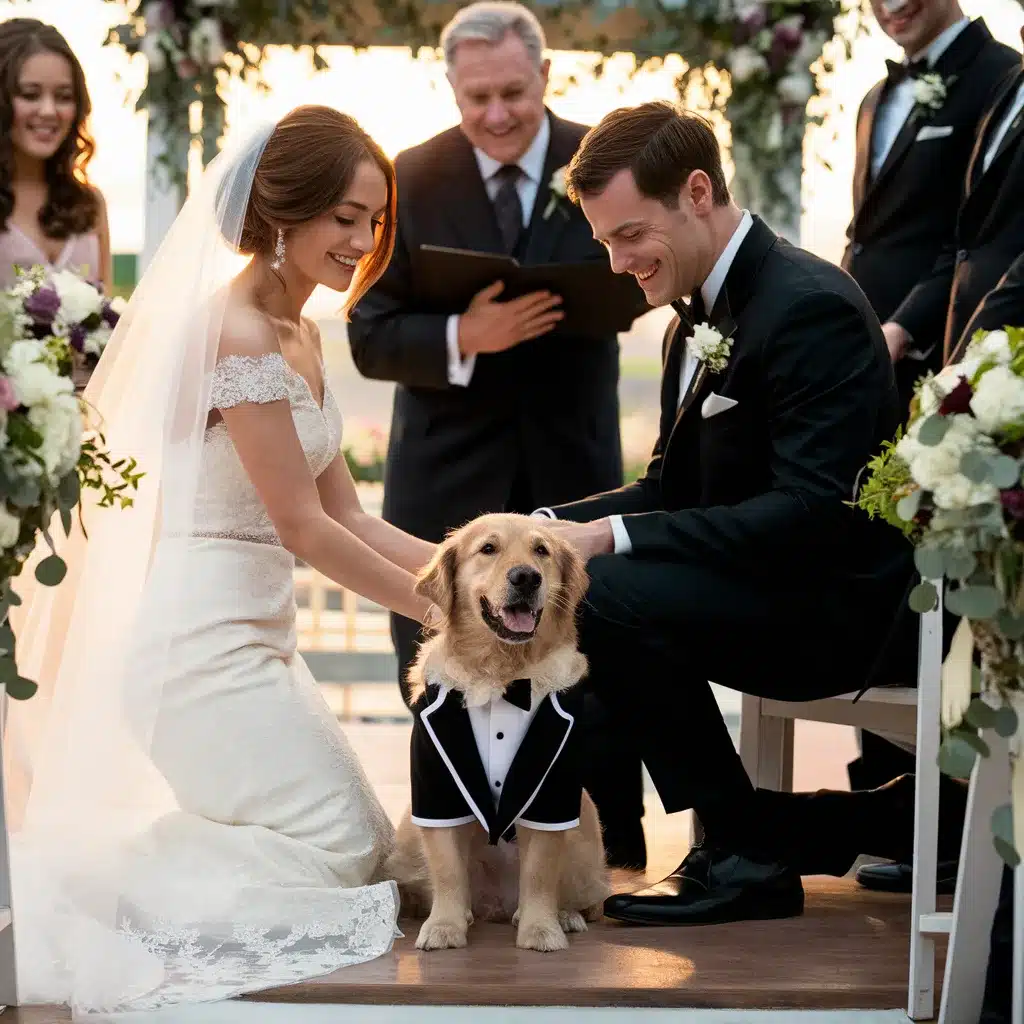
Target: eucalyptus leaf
{"type": "Point", "coordinates": [976, 679]}
{"type": "Point", "coordinates": [1002, 823]}
{"type": "Point", "coordinates": [69, 491]}
{"type": "Point", "coordinates": [981, 714]}
{"type": "Point", "coordinates": [51, 571]}
{"type": "Point", "coordinates": [974, 602]}
{"type": "Point", "coordinates": [1010, 625]}
{"type": "Point", "coordinates": [21, 688]}
{"type": "Point", "coordinates": [1007, 851]}
{"type": "Point", "coordinates": [65, 521]}
{"type": "Point", "coordinates": [976, 742]}
{"type": "Point", "coordinates": [933, 430]}
{"type": "Point", "coordinates": [1004, 471]}
{"type": "Point", "coordinates": [8, 669]}
{"type": "Point", "coordinates": [923, 598]}
{"type": "Point", "coordinates": [907, 506]}
{"type": "Point", "coordinates": [1005, 723]}
{"type": "Point", "coordinates": [956, 758]}
{"type": "Point", "coordinates": [975, 465]}
{"type": "Point", "coordinates": [930, 562]}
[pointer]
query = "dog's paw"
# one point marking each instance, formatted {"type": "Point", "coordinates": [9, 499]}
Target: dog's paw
{"type": "Point", "coordinates": [571, 921]}
{"type": "Point", "coordinates": [515, 918]}
{"type": "Point", "coordinates": [546, 936]}
{"type": "Point", "coordinates": [594, 913]}
{"type": "Point", "coordinates": [441, 935]}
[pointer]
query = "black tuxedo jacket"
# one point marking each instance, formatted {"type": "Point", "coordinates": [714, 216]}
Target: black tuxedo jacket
{"type": "Point", "coordinates": [760, 490]}
{"type": "Point", "coordinates": [544, 784]}
{"type": "Point", "coordinates": [1002, 307]}
{"type": "Point", "coordinates": [546, 411]}
{"type": "Point", "coordinates": [989, 234]}
{"type": "Point", "coordinates": [903, 216]}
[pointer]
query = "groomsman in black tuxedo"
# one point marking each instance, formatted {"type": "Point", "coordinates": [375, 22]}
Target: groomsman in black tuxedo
{"type": "Point", "coordinates": [989, 230]}
{"type": "Point", "coordinates": [736, 558]}
{"type": "Point", "coordinates": [1002, 307]}
{"type": "Point", "coordinates": [496, 408]}
{"type": "Point", "coordinates": [915, 135]}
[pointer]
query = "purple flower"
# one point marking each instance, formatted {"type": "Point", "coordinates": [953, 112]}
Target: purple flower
{"type": "Point", "coordinates": [749, 23]}
{"type": "Point", "coordinates": [110, 317]}
{"type": "Point", "coordinates": [1013, 502]}
{"type": "Point", "coordinates": [8, 396]}
{"type": "Point", "coordinates": [787, 37]}
{"type": "Point", "coordinates": [77, 337]}
{"type": "Point", "coordinates": [958, 400]}
{"type": "Point", "coordinates": [43, 305]}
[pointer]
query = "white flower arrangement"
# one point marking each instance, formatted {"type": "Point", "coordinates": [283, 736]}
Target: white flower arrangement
{"type": "Point", "coordinates": [708, 346]}
{"type": "Point", "coordinates": [47, 457]}
{"type": "Point", "coordinates": [954, 484]}
{"type": "Point", "coordinates": [558, 188]}
{"type": "Point", "coordinates": [930, 91]}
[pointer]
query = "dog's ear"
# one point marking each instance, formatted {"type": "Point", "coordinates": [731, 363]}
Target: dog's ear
{"type": "Point", "coordinates": [437, 581]}
{"type": "Point", "coordinates": [573, 572]}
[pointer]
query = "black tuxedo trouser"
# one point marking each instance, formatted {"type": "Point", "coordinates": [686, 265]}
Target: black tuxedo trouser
{"type": "Point", "coordinates": [656, 632]}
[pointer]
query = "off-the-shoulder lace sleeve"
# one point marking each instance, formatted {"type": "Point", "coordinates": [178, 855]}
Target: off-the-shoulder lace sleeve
{"type": "Point", "coordinates": [238, 379]}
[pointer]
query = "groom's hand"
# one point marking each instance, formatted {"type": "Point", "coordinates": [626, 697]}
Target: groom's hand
{"type": "Point", "coordinates": [590, 539]}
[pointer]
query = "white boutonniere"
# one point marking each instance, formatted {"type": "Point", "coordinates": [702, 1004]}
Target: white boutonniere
{"type": "Point", "coordinates": [930, 91]}
{"type": "Point", "coordinates": [558, 190]}
{"type": "Point", "coordinates": [708, 346]}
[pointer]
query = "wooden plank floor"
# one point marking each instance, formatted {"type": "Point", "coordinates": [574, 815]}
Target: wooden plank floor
{"type": "Point", "coordinates": [847, 951]}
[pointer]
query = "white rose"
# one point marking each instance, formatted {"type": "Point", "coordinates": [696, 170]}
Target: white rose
{"type": "Point", "coordinates": [206, 43]}
{"type": "Point", "coordinates": [10, 528]}
{"type": "Point", "coordinates": [745, 62]}
{"type": "Point", "coordinates": [96, 341]}
{"type": "Point", "coordinates": [998, 399]}
{"type": "Point", "coordinates": [78, 299]}
{"type": "Point", "coordinates": [994, 346]}
{"type": "Point", "coordinates": [796, 88]}
{"type": "Point", "coordinates": [932, 465]}
{"type": "Point", "coordinates": [154, 53]}
{"type": "Point", "coordinates": [118, 304]}
{"type": "Point", "coordinates": [959, 492]}
{"type": "Point", "coordinates": [33, 378]}
{"type": "Point", "coordinates": [60, 423]}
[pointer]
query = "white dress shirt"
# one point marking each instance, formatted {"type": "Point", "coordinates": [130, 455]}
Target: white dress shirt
{"type": "Point", "coordinates": [531, 163]}
{"type": "Point", "coordinates": [1004, 126]}
{"type": "Point", "coordinates": [896, 108]}
{"type": "Point", "coordinates": [709, 293]}
{"type": "Point", "coordinates": [499, 728]}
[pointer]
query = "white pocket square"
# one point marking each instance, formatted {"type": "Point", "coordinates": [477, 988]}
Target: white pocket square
{"type": "Point", "coordinates": [933, 131]}
{"type": "Point", "coordinates": [714, 404]}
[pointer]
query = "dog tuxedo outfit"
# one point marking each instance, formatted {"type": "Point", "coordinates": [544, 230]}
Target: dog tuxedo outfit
{"type": "Point", "coordinates": [514, 760]}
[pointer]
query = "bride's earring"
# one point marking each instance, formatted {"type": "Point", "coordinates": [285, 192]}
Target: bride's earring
{"type": "Point", "coordinates": [278, 261]}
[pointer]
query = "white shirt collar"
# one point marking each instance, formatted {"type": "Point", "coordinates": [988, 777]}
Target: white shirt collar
{"type": "Point", "coordinates": [713, 284]}
{"type": "Point", "coordinates": [942, 42]}
{"type": "Point", "coordinates": [531, 163]}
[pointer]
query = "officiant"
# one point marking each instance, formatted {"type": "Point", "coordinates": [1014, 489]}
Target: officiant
{"type": "Point", "coordinates": [496, 408]}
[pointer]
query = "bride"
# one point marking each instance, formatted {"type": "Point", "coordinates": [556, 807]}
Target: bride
{"type": "Point", "coordinates": [189, 821]}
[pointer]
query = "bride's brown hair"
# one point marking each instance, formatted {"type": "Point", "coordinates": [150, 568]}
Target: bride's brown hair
{"type": "Point", "coordinates": [306, 168]}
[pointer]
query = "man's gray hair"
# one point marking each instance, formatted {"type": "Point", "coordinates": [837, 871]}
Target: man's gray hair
{"type": "Point", "coordinates": [490, 21]}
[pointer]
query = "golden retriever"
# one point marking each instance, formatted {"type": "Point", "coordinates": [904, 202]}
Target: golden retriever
{"type": "Point", "coordinates": [507, 589]}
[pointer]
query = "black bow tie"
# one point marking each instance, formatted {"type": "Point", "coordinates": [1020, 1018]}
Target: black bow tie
{"type": "Point", "coordinates": [518, 692]}
{"type": "Point", "coordinates": [896, 73]}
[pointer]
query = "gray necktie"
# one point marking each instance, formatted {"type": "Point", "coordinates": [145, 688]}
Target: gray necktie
{"type": "Point", "coordinates": [507, 206]}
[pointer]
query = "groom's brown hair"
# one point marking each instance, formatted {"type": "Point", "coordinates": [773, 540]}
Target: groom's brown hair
{"type": "Point", "coordinates": [659, 143]}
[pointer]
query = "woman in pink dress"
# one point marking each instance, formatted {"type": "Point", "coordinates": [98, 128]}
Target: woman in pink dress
{"type": "Point", "coordinates": [49, 213]}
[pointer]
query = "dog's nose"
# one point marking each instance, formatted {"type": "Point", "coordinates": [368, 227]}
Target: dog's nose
{"type": "Point", "coordinates": [524, 578]}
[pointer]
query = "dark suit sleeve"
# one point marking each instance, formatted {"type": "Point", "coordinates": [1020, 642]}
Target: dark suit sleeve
{"type": "Point", "coordinates": [922, 314]}
{"type": "Point", "coordinates": [643, 495]}
{"type": "Point", "coordinates": [821, 380]}
{"type": "Point", "coordinates": [1001, 307]}
{"type": "Point", "coordinates": [389, 339]}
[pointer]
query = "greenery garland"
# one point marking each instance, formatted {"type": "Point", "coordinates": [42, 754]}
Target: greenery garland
{"type": "Point", "coordinates": [767, 46]}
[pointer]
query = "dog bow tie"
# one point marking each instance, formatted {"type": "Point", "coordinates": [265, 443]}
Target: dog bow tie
{"type": "Point", "coordinates": [518, 692]}
{"type": "Point", "coordinates": [896, 73]}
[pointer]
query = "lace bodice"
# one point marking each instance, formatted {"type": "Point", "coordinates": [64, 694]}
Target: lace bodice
{"type": "Point", "coordinates": [227, 504]}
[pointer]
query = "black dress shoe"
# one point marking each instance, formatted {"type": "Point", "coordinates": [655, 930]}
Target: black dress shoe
{"type": "Point", "coordinates": [713, 886]}
{"type": "Point", "coordinates": [899, 877]}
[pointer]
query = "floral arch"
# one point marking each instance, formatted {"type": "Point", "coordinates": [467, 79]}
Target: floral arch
{"type": "Point", "coordinates": [774, 54]}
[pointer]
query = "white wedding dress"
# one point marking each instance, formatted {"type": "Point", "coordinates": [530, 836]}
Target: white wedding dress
{"type": "Point", "coordinates": [265, 862]}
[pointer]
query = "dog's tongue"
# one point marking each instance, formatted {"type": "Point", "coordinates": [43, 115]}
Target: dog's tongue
{"type": "Point", "coordinates": [517, 621]}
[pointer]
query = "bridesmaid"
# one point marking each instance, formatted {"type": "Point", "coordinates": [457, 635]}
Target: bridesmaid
{"type": "Point", "coordinates": [49, 213]}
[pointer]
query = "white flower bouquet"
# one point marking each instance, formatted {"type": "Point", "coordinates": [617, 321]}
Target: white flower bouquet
{"type": "Point", "coordinates": [46, 453]}
{"type": "Point", "coordinates": [953, 485]}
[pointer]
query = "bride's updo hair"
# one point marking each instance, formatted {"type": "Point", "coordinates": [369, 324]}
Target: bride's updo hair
{"type": "Point", "coordinates": [306, 168]}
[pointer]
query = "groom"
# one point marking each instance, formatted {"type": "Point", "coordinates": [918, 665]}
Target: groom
{"type": "Point", "coordinates": [736, 558]}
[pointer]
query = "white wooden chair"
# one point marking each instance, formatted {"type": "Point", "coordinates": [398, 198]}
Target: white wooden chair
{"type": "Point", "coordinates": [8, 974]}
{"type": "Point", "coordinates": [766, 749]}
